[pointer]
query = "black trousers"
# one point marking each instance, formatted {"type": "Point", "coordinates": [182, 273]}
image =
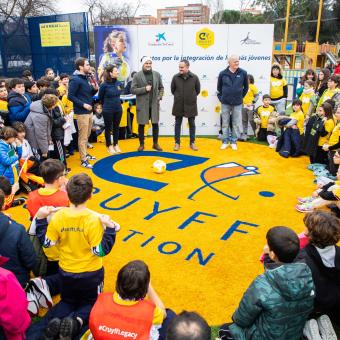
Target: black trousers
{"type": "Point", "coordinates": [192, 129]}
{"type": "Point", "coordinates": [59, 151]}
{"type": "Point", "coordinates": [112, 121]}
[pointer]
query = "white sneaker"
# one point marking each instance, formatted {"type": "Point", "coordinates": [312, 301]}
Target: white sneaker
{"type": "Point", "coordinates": [42, 292]}
{"type": "Point", "coordinates": [311, 330]}
{"type": "Point", "coordinates": [326, 328]}
{"type": "Point", "coordinates": [117, 149]}
{"type": "Point", "coordinates": [224, 146]}
{"type": "Point", "coordinates": [33, 305]}
{"type": "Point", "coordinates": [111, 150]}
{"type": "Point", "coordinates": [86, 164]}
{"type": "Point", "coordinates": [234, 146]}
{"type": "Point", "coordinates": [89, 145]}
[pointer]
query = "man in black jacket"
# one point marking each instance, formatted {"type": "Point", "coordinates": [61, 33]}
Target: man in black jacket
{"type": "Point", "coordinates": [80, 93]}
{"type": "Point", "coordinates": [185, 87]}
{"type": "Point", "coordinates": [232, 86]}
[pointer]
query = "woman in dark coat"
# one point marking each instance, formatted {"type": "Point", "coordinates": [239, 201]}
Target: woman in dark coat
{"type": "Point", "coordinates": [109, 97]}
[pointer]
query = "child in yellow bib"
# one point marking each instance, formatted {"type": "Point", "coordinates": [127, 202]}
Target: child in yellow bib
{"type": "Point", "coordinates": [332, 89]}
{"type": "Point", "coordinates": [83, 237]}
{"type": "Point", "coordinates": [307, 98]}
{"type": "Point", "coordinates": [278, 88]}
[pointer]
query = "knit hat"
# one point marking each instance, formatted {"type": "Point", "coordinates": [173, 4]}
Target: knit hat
{"type": "Point", "coordinates": [145, 59]}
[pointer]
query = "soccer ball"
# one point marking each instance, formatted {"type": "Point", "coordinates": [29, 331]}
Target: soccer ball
{"type": "Point", "coordinates": [159, 167]}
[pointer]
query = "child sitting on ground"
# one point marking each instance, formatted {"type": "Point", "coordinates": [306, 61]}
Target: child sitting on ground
{"type": "Point", "coordinates": [82, 241]}
{"type": "Point", "coordinates": [322, 255]}
{"type": "Point", "coordinates": [16, 245]}
{"type": "Point", "coordinates": [264, 117]}
{"type": "Point", "coordinates": [14, 318]}
{"type": "Point", "coordinates": [53, 173]}
{"type": "Point", "coordinates": [325, 194]}
{"type": "Point", "coordinates": [10, 191]}
{"type": "Point", "coordinates": [134, 306]}
{"type": "Point", "coordinates": [9, 156]}
{"type": "Point", "coordinates": [290, 142]}
{"type": "Point", "coordinates": [277, 304]}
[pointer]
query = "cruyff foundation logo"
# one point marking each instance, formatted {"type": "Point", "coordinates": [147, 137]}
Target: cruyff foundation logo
{"type": "Point", "coordinates": [205, 38]}
{"type": "Point", "coordinates": [209, 176]}
{"type": "Point", "coordinates": [222, 172]}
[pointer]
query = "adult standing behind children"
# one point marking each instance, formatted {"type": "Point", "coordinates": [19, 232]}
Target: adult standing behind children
{"type": "Point", "coordinates": [232, 86]}
{"type": "Point", "coordinates": [80, 92]}
{"type": "Point", "coordinates": [185, 86]}
{"type": "Point", "coordinates": [109, 96]}
{"type": "Point", "coordinates": [148, 87]}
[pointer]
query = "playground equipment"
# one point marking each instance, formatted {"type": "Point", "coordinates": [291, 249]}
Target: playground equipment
{"type": "Point", "coordinates": [305, 55]}
{"type": "Point", "coordinates": [308, 54]}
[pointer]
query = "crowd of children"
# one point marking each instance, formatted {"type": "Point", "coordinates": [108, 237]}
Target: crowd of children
{"type": "Point", "coordinates": [298, 294]}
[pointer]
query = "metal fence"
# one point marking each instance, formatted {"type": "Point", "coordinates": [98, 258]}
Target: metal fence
{"type": "Point", "coordinates": [15, 48]}
{"type": "Point", "coordinates": [21, 47]}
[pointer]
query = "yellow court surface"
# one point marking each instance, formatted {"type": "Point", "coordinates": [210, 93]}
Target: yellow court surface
{"type": "Point", "coordinates": [201, 225]}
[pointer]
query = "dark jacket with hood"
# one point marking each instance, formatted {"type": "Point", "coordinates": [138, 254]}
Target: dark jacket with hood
{"type": "Point", "coordinates": [185, 89]}
{"type": "Point", "coordinates": [58, 120]}
{"type": "Point", "coordinates": [16, 245]}
{"type": "Point", "coordinates": [276, 305]}
{"type": "Point", "coordinates": [315, 128]}
{"type": "Point", "coordinates": [80, 92]}
{"type": "Point", "coordinates": [326, 280]}
{"type": "Point", "coordinates": [232, 87]}
{"type": "Point", "coordinates": [39, 127]}
{"type": "Point", "coordinates": [18, 106]}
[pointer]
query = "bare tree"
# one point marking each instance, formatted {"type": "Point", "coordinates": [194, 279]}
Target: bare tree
{"type": "Point", "coordinates": [25, 8]}
{"type": "Point", "coordinates": [216, 10]}
{"type": "Point", "coordinates": [105, 12]}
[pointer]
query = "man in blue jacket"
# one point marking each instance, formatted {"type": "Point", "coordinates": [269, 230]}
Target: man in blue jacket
{"type": "Point", "coordinates": [232, 86]}
{"type": "Point", "coordinates": [80, 92]}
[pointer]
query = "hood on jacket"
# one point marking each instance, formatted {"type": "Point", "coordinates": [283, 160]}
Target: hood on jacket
{"type": "Point", "coordinates": [15, 97]}
{"type": "Point", "coordinates": [38, 107]}
{"type": "Point", "coordinates": [292, 281]}
{"type": "Point", "coordinates": [77, 73]}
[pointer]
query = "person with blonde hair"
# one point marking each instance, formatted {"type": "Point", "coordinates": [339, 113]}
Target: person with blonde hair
{"type": "Point", "coordinates": [114, 49]}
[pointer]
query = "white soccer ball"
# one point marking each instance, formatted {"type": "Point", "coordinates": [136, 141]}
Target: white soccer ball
{"type": "Point", "coordinates": [159, 167]}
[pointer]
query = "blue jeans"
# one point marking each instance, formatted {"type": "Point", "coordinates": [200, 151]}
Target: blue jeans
{"type": "Point", "coordinates": [235, 113]}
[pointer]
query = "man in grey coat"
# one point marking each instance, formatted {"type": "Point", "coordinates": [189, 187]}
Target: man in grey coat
{"type": "Point", "coordinates": [185, 87]}
{"type": "Point", "coordinates": [148, 87]}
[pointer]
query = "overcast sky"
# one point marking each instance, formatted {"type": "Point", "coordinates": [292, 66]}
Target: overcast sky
{"type": "Point", "coordinates": [150, 7]}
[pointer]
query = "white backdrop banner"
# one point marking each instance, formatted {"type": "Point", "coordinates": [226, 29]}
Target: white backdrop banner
{"type": "Point", "coordinates": [207, 48]}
